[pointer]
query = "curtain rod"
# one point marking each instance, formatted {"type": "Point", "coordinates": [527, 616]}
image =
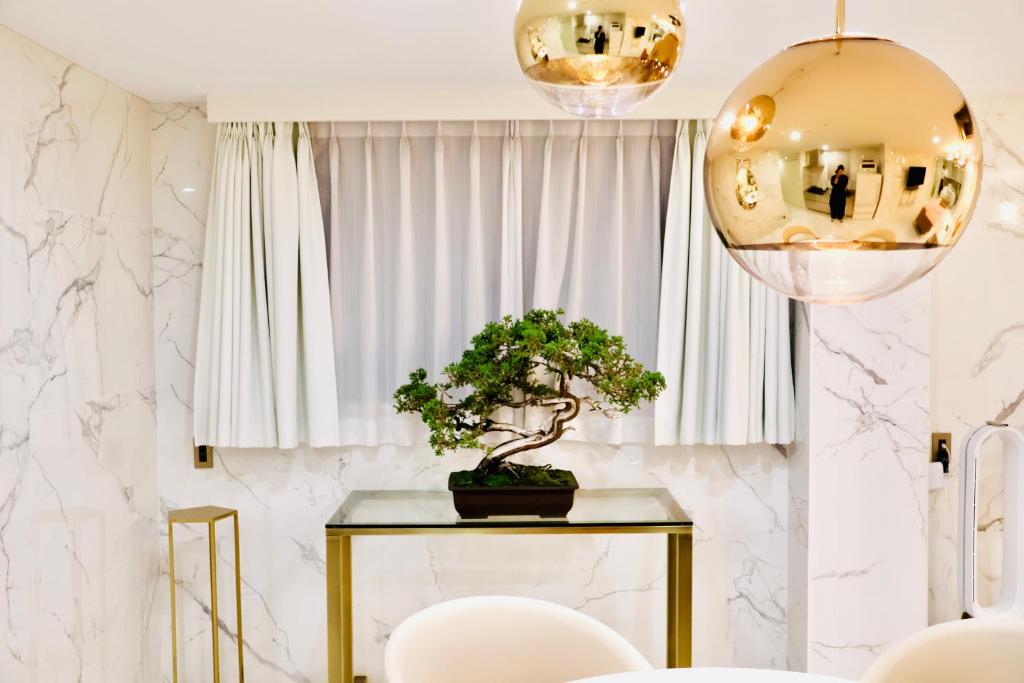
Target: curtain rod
{"type": "Point", "coordinates": [393, 104]}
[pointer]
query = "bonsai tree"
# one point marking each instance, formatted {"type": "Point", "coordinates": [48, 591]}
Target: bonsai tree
{"type": "Point", "coordinates": [536, 362]}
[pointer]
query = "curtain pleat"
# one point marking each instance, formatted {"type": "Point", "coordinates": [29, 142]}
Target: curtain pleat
{"type": "Point", "coordinates": [596, 248]}
{"type": "Point", "coordinates": [672, 302]}
{"type": "Point", "coordinates": [724, 339]}
{"type": "Point", "coordinates": [264, 357]}
{"type": "Point", "coordinates": [511, 264]}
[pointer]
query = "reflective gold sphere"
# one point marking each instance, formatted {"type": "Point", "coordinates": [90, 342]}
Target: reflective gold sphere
{"type": "Point", "coordinates": [599, 58]}
{"type": "Point", "coordinates": [908, 148]}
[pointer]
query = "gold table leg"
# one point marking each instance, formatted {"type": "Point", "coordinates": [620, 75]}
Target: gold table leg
{"type": "Point", "coordinates": [214, 618]}
{"type": "Point", "coordinates": [339, 609]}
{"type": "Point", "coordinates": [174, 614]}
{"type": "Point", "coordinates": [238, 606]}
{"type": "Point", "coordinates": [680, 600]}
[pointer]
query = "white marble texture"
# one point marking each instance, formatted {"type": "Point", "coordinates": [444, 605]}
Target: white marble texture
{"type": "Point", "coordinates": [798, 503]}
{"type": "Point", "coordinates": [978, 342]}
{"type": "Point", "coordinates": [100, 254]}
{"type": "Point", "coordinates": [859, 479]}
{"type": "Point", "coordinates": [737, 496]}
{"type": "Point", "coordinates": [78, 498]}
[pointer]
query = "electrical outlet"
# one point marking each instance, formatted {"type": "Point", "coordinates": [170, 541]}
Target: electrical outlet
{"type": "Point", "coordinates": [940, 437]}
{"type": "Point", "coordinates": [202, 457]}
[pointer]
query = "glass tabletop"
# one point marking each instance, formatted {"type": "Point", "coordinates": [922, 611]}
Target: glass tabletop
{"type": "Point", "coordinates": [637, 509]}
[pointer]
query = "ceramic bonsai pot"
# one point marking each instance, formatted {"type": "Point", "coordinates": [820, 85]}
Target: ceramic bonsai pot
{"type": "Point", "coordinates": [474, 501]}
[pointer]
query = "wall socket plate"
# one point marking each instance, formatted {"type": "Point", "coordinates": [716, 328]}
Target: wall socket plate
{"type": "Point", "coordinates": [202, 457]}
{"type": "Point", "coordinates": [936, 438]}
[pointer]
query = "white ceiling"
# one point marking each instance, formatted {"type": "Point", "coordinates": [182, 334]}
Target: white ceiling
{"type": "Point", "coordinates": [184, 50]}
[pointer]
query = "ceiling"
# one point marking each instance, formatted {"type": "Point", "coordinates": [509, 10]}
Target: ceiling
{"type": "Point", "coordinates": [184, 50]}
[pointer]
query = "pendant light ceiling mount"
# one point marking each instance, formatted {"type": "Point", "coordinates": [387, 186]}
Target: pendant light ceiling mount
{"type": "Point", "coordinates": [843, 168]}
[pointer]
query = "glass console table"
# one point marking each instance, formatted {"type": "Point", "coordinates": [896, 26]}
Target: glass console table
{"type": "Point", "coordinates": [596, 511]}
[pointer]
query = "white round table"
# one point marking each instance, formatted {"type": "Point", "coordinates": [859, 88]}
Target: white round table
{"type": "Point", "coordinates": [714, 675]}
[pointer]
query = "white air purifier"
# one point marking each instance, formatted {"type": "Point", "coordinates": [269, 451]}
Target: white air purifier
{"type": "Point", "coordinates": [1011, 601]}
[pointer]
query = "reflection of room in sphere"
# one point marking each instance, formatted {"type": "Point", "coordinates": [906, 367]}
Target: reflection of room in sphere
{"type": "Point", "coordinates": [623, 35]}
{"type": "Point", "coordinates": [911, 157]}
{"type": "Point", "coordinates": [575, 34]}
{"type": "Point", "coordinates": [890, 192]}
{"type": "Point", "coordinates": [896, 165]}
{"type": "Point", "coordinates": [602, 60]}
{"type": "Point", "coordinates": [806, 179]}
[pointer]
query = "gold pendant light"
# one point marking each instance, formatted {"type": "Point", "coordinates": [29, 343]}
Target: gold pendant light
{"type": "Point", "coordinates": [598, 58]}
{"type": "Point", "coordinates": [843, 168]}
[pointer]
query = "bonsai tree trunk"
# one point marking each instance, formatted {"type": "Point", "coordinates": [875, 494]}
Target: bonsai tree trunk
{"type": "Point", "coordinates": [564, 409]}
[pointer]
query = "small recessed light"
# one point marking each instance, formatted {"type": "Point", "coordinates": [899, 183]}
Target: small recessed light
{"type": "Point", "coordinates": [936, 140]}
{"type": "Point", "coordinates": [589, 13]}
{"type": "Point", "coordinates": [795, 135]}
{"type": "Point", "coordinates": [571, 5]}
{"type": "Point", "coordinates": [188, 189]}
{"type": "Point", "coordinates": [824, 148]}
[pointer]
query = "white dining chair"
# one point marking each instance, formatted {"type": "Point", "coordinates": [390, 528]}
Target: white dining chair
{"type": "Point", "coordinates": [505, 640]}
{"type": "Point", "coordinates": [715, 675]}
{"type": "Point", "coordinates": [989, 650]}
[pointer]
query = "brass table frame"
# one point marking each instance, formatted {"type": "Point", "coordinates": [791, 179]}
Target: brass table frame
{"type": "Point", "coordinates": [339, 580]}
{"type": "Point", "coordinates": [209, 515]}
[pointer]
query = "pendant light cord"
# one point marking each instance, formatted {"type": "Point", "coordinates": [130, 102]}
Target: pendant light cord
{"type": "Point", "coordinates": [840, 17]}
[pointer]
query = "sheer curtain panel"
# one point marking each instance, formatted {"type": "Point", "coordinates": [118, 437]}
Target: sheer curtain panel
{"type": "Point", "coordinates": [724, 339]}
{"type": "Point", "coordinates": [436, 228]}
{"type": "Point", "coordinates": [265, 352]}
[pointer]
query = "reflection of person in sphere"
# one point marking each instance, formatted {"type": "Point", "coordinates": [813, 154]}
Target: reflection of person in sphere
{"type": "Point", "coordinates": [600, 38]}
{"type": "Point", "coordinates": [837, 202]}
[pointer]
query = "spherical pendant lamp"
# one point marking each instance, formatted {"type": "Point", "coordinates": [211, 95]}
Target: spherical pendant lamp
{"type": "Point", "coordinates": [843, 168]}
{"type": "Point", "coordinates": [598, 58]}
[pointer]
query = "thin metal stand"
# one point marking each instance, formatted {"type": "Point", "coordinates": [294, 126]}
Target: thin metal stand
{"type": "Point", "coordinates": [208, 515]}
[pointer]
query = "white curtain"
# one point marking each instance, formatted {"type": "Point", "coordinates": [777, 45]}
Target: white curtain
{"type": "Point", "coordinates": [429, 230]}
{"type": "Point", "coordinates": [434, 229]}
{"type": "Point", "coordinates": [592, 209]}
{"type": "Point", "coordinates": [265, 354]}
{"type": "Point", "coordinates": [724, 340]}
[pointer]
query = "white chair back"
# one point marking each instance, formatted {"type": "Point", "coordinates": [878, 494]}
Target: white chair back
{"type": "Point", "coordinates": [505, 640]}
{"type": "Point", "coordinates": [988, 650]}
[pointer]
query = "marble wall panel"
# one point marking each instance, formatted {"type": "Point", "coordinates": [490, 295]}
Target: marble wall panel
{"type": "Point", "coordinates": [78, 494]}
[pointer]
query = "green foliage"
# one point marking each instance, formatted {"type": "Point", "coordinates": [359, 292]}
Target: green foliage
{"type": "Point", "coordinates": [516, 363]}
{"type": "Point", "coordinates": [521, 475]}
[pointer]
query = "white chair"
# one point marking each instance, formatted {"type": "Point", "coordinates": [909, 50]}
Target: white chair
{"type": "Point", "coordinates": [984, 650]}
{"type": "Point", "coordinates": [505, 640]}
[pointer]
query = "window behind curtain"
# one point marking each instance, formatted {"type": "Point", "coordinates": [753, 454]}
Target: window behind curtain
{"type": "Point", "coordinates": [434, 229]}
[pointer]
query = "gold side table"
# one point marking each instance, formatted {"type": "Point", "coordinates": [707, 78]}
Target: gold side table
{"type": "Point", "coordinates": [596, 511]}
{"type": "Point", "coordinates": [209, 515]}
